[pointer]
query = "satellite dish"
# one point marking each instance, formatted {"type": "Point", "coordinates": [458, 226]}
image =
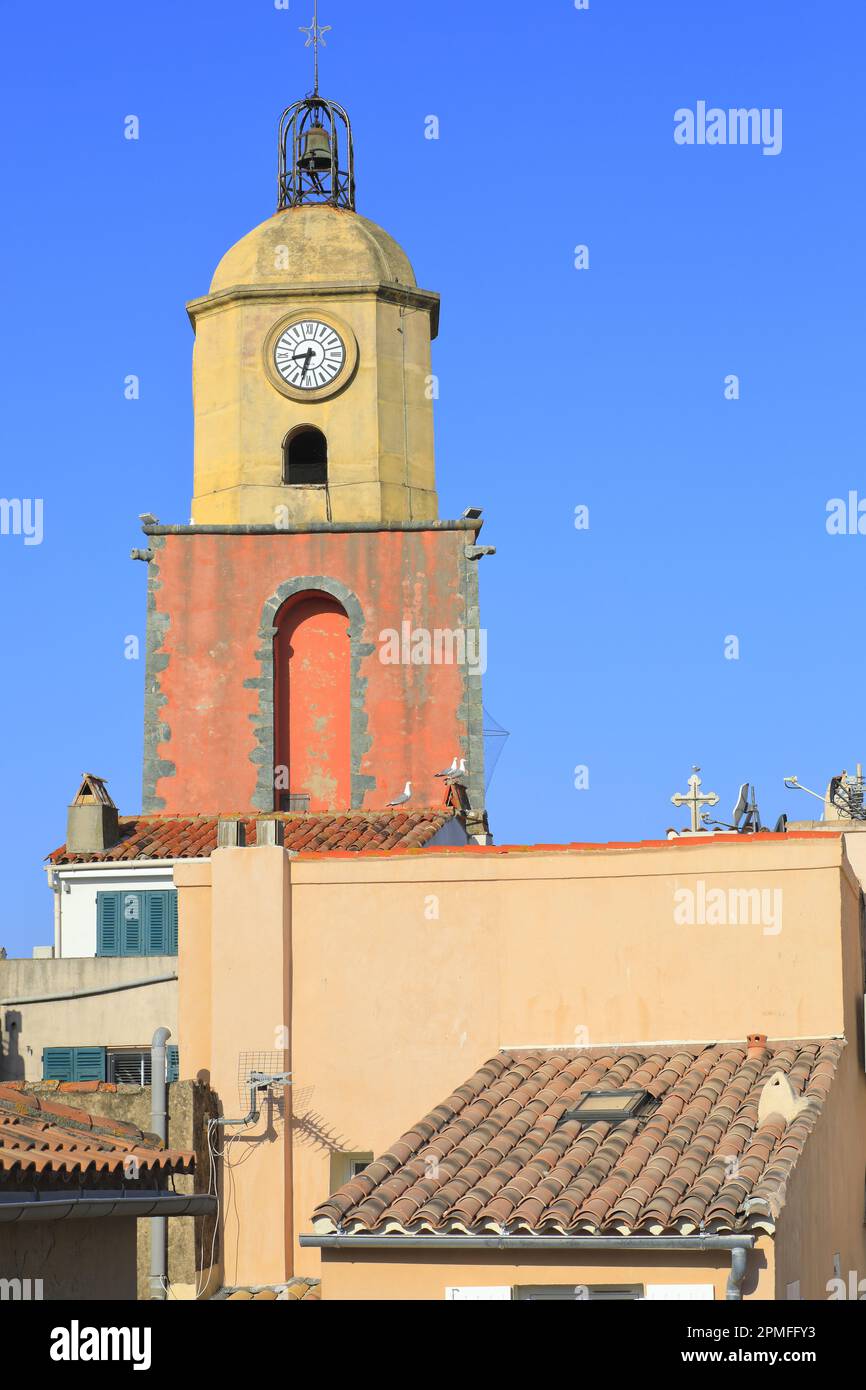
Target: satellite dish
{"type": "Point", "coordinates": [742, 805]}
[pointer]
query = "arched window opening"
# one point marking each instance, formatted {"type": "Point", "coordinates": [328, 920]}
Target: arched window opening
{"type": "Point", "coordinates": [305, 457]}
{"type": "Point", "coordinates": [312, 705]}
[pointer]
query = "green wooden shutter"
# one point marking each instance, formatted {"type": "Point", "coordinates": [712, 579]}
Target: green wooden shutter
{"type": "Point", "coordinates": [108, 924]}
{"type": "Point", "coordinates": [155, 924]}
{"type": "Point", "coordinates": [57, 1064]}
{"type": "Point", "coordinates": [172, 923]}
{"type": "Point", "coordinates": [172, 1058]}
{"type": "Point", "coordinates": [132, 931]}
{"type": "Point", "coordinates": [88, 1063]}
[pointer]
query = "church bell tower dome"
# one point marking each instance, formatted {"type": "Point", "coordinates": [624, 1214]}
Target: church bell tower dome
{"type": "Point", "coordinates": [314, 245]}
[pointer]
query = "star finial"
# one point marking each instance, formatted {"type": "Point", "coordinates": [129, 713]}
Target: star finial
{"type": "Point", "coordinates": [315, 36]}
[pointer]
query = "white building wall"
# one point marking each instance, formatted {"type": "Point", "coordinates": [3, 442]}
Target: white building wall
{"type": "Point", "coordinates": [75, 889]}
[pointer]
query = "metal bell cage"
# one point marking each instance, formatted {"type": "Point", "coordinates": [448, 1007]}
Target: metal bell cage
{"type": "Point", "coordinates": [315, 141]}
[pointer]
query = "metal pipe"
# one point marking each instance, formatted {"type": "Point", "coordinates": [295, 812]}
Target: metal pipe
{"type": "Point", "coordinates": [159, 1126]}
{"type": "Point", "coordinates": [52, 1208]}
{"type": "Point", "coordinates": [739, 1262]}
{"type": "Point", "coordinates": [88, 993]}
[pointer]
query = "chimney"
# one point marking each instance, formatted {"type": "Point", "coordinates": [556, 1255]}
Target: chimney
{"type": "Point", "coordinates": [231, 833]}
{"type": "Point", "coordinates": [756, 1046]}
{"type": "Point", "coordinates": [270, 831]}
{"type": "Point", "coordinates": [92, 824]}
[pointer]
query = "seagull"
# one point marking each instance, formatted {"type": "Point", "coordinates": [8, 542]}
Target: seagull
{"type": "Point", "coordinates": [452, 775]}
{"type": "Point", "coordinates": [401, 800]}
{"type": "Point", "coordinates": [448, 771]}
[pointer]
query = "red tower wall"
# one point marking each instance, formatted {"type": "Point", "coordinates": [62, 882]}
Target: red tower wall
{"type": "Point", "coordinates": [215, 600]}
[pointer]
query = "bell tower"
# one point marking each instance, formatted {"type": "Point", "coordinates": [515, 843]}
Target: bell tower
{"type": "Point", "coordinates": [313, 640]}
{"type": "Point", "coordinates": [311, 369]}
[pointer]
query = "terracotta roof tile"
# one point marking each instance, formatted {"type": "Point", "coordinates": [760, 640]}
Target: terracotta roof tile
{"type": "Point", "coordinates": [195, 837]}
{"type": "Point", "coordinates": [40, 1135]}
{"type": "Point", "coordinates": [498, 1155]}
{"type": "Point", "coordinates": [297, 1290]}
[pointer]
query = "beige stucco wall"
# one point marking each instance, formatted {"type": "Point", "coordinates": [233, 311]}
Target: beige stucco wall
{"type": "Point", "coordinates": [405, 1276]}
{"type": "Point", "coordinates": [117, 1017]}
{"type": "Point", "coordinates": [235, 1003]}
{"type": "Point", "coordinates": [411, 970]}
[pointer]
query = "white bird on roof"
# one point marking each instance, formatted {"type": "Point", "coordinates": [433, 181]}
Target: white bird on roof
{"type": "Point", "coordinates": [401, 800]}
{"type": "Point", "coordinates": [458, 772]}
{"type": "Point", "coordinates": [448, 771]}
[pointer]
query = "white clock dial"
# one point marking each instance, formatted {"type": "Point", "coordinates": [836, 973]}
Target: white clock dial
{"type": "Point", "coordinates": [309, 354]}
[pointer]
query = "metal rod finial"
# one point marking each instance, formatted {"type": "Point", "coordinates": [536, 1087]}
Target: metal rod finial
{"type": "Point", "coordinates": [316, 35]}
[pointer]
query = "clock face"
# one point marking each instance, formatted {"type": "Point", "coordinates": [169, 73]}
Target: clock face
{"type": "Point", "coordinates": [309, 355]}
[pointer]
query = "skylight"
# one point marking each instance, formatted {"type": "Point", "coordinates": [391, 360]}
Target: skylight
{"type": "Point", "coordinates": [613, 1106]}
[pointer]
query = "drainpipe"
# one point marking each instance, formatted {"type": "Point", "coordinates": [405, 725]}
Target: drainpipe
{"type": "Point", "coordinates": [159, 1126]}
{"type": "Point", "coordinates": [739, 1260]}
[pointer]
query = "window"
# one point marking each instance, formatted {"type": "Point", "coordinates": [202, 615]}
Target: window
{"type": "Point", "coordinates": [131, 1066]}
{"type": "Point", "coordinates": [305, 458]}
{"type": "Point", "coordinates": [612, 1106]}
{"type": "Point", "coordinates": [136, 924]}
{"type": "Point", "coordinates": [345, 1166]}
{"type": "Point", "coordinates": [121, 1065]}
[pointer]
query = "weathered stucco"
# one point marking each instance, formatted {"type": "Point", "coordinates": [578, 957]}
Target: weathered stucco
{"type": "Point", "coordinates": [74, 1259]}
{"type": "Point", "coordinates": [112, 1017]}
{"type": "Point", "coordinates": [209, 707]}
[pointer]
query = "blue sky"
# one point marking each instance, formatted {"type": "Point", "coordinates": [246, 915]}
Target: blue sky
{"type": "Point", "coordinates": [707, 515]}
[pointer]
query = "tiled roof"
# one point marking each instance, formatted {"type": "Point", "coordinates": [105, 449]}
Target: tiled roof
{"type": "Point", "coordinates": [195, 837]}
{"type": "Point", "coordinates": [39, 1136]}
{"type": "Point", "coordinates": [295, 1291]}
{"type": "Point", "coordinates": [497, 1156]}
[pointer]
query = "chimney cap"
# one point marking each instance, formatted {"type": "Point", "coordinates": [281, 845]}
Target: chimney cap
{"type": "Point", "coordinates": [92, 791]}
{"type": "Point", "coordinates": [756, 1044]}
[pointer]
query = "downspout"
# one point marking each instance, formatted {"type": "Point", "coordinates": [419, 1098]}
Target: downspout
{"type": "Point", "coordinates": [159, 1126]}
{"type": "Point", "coordinates": [739, 1261]}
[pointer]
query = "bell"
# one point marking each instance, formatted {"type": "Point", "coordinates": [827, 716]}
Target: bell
{"type": "Point", "coordinates": [315, 155]}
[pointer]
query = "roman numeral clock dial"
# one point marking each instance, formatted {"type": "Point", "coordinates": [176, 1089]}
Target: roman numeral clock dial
{"type": "Point", "coordinates": [309, 355]}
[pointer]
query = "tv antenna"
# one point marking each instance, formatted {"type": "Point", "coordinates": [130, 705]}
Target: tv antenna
{"type": "Point", "coordinates": [845, 794]}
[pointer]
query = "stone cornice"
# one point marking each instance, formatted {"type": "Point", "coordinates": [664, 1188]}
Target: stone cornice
{"type": "Point", "coordinates": [328, 527]}
{"type": "Point", "coordinates": [281, 293]}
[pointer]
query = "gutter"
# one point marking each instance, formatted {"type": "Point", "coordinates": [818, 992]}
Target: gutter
{"type": "Point", "coordinates": [738, 1245]}
{"type": "Point", "coordinates": [89, 993]}
{"type": "Point", "coordinates": [36, 1208]}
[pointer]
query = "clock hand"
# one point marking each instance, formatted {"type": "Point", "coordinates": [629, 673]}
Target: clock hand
{"type": "Point", "coordinates": [305, 357]}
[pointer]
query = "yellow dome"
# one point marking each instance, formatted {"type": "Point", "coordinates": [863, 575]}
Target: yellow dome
{"type": "Point", "coordinates": [314, 245]}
